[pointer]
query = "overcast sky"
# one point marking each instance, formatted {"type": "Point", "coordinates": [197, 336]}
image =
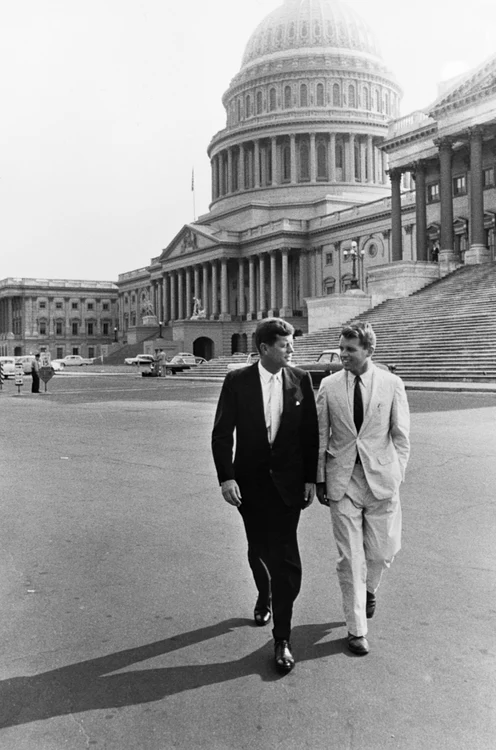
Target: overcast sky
{"type": "Point", "coordinates": [108, 104]}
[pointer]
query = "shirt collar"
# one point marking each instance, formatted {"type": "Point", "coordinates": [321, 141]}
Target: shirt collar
{"type": "Point", "coordinates": [266, 375]}
{"type": "Point", "coordinates": [365, 377]}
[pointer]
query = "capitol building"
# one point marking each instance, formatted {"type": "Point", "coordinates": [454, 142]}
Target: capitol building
{"type": "Point", "coordinates": [324, 200]}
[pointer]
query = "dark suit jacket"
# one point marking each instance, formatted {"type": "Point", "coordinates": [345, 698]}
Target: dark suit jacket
{"type": "Point", "coordinates": [291, 460]}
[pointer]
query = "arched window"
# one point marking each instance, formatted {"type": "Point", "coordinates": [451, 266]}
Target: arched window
{"type": "Point", "coordinates": [377, 101]}
{"type": "Point", "coordinates": [287, 97]}
{"type": "Point", "coordinates": [239, 109]}
{"type": "Point", "coordinates": [351, 97]}
{"type": "Point", "coordinates": [336, 95]}
{"type": "Point", "coordinates": [386, 103]}
{"type": "Point", "coordinates": [303, 95]}
{"type": "Point", "coordinates": [339, 155]}
{"type": "Point", "coordinates": [365, 99]}
{"type": "Point", "coordinates": [286, 163]}
{"type": "Point", "coordinates": [259, 102]}
{"type": "Point", "coordinates": [321, 161]}
{"type": "Point", "coordinates": [272, 100]}
{"type": "Point", "coordinates": [247, 106]}
{"type": "Point", "coordinates": [304, 162]}
{"type": "Point", "coordinates": [320, 95]}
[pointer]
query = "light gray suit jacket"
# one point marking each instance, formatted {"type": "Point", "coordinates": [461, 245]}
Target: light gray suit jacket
{"type": "Point", "coordinates": [383, 441]}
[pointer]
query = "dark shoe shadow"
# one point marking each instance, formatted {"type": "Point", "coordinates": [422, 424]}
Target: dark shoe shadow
{"type": "Point", "coordinates": [90, 685]}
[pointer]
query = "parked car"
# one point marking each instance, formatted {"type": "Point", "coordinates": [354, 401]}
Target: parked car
{"type": "Point", "coordinates": [140, 359]}
{"type": "Point", "coordinates": [26, 360]}
{"type": "Point", "coordinates": [73, 360]}
{"type": "Point", "coordinates": [57, 365]}
{"type": "Point", "coordinates": [182, 361]}
{"type": "Point", "coordinates": [328, 362]}
{"type": "Point", "coordinates": [8, 367]}
{"type": "Point", "coordinates": [250, 360]}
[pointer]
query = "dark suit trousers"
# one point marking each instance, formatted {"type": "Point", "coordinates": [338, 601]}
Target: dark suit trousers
{"type": "Point", "coordinates": [273, 554]}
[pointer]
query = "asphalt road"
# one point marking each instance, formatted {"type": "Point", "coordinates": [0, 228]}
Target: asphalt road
{"type": "Point", "coordinates": [126, 598]}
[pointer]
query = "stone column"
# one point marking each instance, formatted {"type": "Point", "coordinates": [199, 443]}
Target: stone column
{"type": "Point", "coordinates": [477, 252]}
{"type": "Point", "coordinates": [189, 306]}
{"type": "Point", "coordinates": [215, 177]}
{"type": "Point", "coordinates": [292, 152]}
{"type": "Point", "coordinates": [180, 294]}
{"type": "Point", "coordinates": [448, 258]}
{"type": "Point", "coordinates": [273, 156]}
{"type": "Point", "coordinates": [165, 294]}
{"type": "Point", "coordinates": [263, 165]}
{"type": "Point", "coordinates": [363, 160]}
{"type": "Point", "coordinates": [256, 163]}
{"type": "Point", "coordinates": [241, 287]}
{"type": "Point", "coordinates": [370, 159]}
{"type": "Point", "coordinates": [420, 211]}
{"type": "Point", "coordinates": [241, 167]}
{"type": "Point", "coordinates": [285, 309]}
{"type": "Point", "coordinates": [252, 311]}
{"type": "Point", "coordinates": [205, 289]}
{"type": "Point", "coordinates": [196, 282]}
{"type": "Point", "coordinates": [262, 305]}
{"type": "Point", "coordinates": [229, 171]}
{"type": "Point", "coordinates": [303, 261]}
{"type": "Point", "coordinates": [313, 159]}
{"type": "Point", "coordinates": [215, 301]}
{"type": "Point", "coordinates": [351, 158]}
{"type": "Point", "coordinates": [332, 157]}
{"type": "Point", "coordinates": [396, 228]}
{"type": "Point", "coordinates": [224, 291]}
{"type": "Point", "coordinates": [273, 310]}
{"type": "Point", "coordinates": [172, 277]}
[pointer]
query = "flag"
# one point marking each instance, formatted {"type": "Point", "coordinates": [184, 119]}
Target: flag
{"type": "Point", "coordinates": [193, 179]}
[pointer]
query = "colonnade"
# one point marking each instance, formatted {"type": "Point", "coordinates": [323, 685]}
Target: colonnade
{"type": "Point", "coordinates": [295, 159]}
{"type": "Point", "coordinates": [447, 245]}
{"type": "Point", "coordinates": [269, 283]}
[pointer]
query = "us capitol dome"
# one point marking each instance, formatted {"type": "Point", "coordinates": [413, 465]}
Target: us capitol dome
{"type": "Point", "coordinates": [305, 115]}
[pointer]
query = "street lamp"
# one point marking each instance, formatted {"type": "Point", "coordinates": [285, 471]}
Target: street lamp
{"type": "Point", "coordinates": [115, 335]}
{"type": "Point", "coordinates": [160, 324]}
{"type": "Point", "coordinates": [354, 254]}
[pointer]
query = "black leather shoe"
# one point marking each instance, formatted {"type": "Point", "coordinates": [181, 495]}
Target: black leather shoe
{"type": "Point", "coordinates": [262, 614]}
{"type": "Point", "coordinates": [358, 644]}
{"type": "Point", "coordinates": [283, 657]}
{"type": "Point", "coordinates": [370, 605]}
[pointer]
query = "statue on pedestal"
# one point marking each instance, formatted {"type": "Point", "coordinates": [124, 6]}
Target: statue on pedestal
{"type": "Point", "coordinates": [198, 311]}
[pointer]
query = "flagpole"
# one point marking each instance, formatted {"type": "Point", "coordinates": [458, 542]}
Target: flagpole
{"type": "Point", "coordinates": [193, 191]}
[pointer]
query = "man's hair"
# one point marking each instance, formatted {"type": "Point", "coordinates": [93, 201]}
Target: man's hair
{"type": "Point", "coordinates": [361, 331]}
{"type": "Point", "coordinates": [269, 329]}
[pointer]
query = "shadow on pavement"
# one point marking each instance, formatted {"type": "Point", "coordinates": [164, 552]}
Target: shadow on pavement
{"type": "Point", "coordinates": [87, 686]}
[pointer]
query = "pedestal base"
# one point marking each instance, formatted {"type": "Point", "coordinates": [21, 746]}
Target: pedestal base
{"type": "Point", "coordinates": [477, 254]}
{"type": "Point", "coordinates": [449, 261]}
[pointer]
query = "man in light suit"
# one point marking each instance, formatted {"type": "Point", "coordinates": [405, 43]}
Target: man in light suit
{"type": "Point", "coordinates": [364, 424]}
{"type": "Point", "coordinates": [271, 408]}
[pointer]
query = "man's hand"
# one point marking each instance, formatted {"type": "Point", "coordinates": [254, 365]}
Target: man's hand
{"type": "Point", "coordinates": [308, 494]}
{"type": "Point", "coordinates": [321, 494]}
{"type": "Point", "coordinates": [231, 493]}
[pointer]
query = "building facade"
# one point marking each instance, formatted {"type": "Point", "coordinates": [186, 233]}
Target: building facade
{"type": "Point", "coordinates": [59, 316]}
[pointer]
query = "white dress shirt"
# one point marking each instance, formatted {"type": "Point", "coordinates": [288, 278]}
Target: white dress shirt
{"type": "Point", "coordinates": [272, 400]}
{"type": "Point", "coordinates": [365, 387]}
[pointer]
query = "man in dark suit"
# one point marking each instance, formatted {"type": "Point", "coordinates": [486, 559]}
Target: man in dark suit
{"type": "Point", "coordinates": [271, 408]}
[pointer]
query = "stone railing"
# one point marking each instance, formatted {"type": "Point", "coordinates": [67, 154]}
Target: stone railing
{"type": "Point", "coordinates": [413, 121]}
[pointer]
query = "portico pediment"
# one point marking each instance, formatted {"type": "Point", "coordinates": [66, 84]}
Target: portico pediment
{"type": "Point", "coordinates": [474, 86]}
{"type": "Point", "coordinates": [189, 241]}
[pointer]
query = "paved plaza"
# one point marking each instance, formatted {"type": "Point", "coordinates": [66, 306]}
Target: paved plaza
{"type": "Point", "coordinates": [126, 597]}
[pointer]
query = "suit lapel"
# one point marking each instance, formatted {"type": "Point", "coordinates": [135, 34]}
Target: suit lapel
{"type": "Point", "coordinates": [344, 401]}
{"type": "Point", "coordinates": [375, 395]}
{"type": "Point", "coordinates": [254, 400]}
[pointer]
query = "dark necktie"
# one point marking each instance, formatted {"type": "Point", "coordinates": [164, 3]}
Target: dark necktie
{"type": "Point", "coordinates": [357, 404]}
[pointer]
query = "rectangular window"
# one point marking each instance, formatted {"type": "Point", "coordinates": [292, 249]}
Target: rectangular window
{"type": "Point", "coordinates": [105, 306]}
{"type": "Point", "coordinates": [90, 305]}
{"type": "Point", "coordinates": [328, 259]}
{"type": "Point", "coordinates": [488, 177]}
{"type": "Point", "coordinates": [75, 328]}
{"type": "Point", "coordinates": [60, 352]}
{"type": "Point", "coordinates": [42, 305]}
{"type": "Point", "coordinates": [433, 192]}
{"type": "Point", "coordinates": [75, 349]}
{"type": "Point", "coordinates": [58, 305]}
{"type": "Point", "coordinates": [58, 328]}
{"type": "Point", "coordinates": [460, 185]}
{"type": "Point", "coordinates": [90, 329]}
{"type": "Point", "coordinates": [91, 352]}
{"type": "Point", "coordinates": [42, 329]}
{"type": "Point", "coordinates": [74, 305]}
{"type": "Point", "coordinates": [105, 329]}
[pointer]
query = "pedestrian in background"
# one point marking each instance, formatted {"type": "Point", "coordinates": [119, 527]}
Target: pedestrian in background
{"type": "Point", "coordinates": [35, 373]}
{"type": "Point", "coordinates": [364, 424]}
